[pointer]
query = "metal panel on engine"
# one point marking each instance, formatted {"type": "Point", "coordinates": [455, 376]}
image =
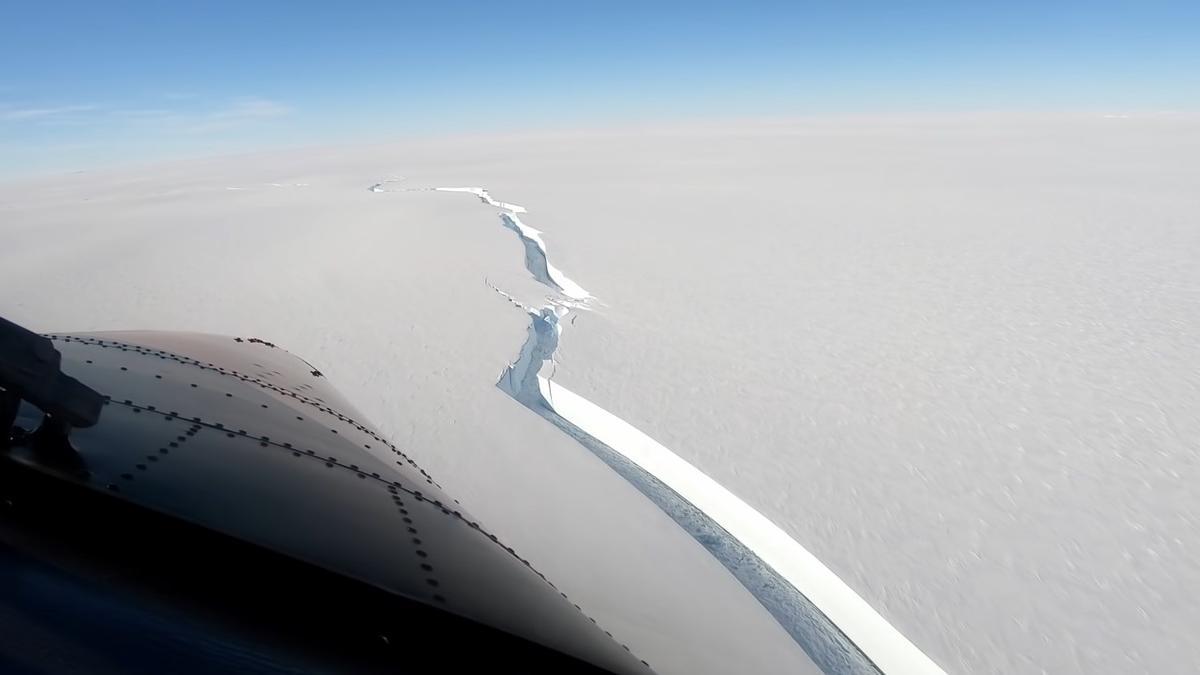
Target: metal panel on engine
{"type": "Point", "coordinates": [243, 438]}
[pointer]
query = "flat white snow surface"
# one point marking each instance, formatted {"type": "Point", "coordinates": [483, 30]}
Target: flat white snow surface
{"type": "Point", "coordinates": [957, 358]}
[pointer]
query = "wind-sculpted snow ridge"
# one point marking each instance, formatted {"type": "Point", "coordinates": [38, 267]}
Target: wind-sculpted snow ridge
{"type": "Point", "coordinates": [833, 624]}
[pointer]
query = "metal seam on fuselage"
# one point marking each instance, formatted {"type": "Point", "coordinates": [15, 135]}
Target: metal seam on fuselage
{"type": "Point", "coordinates": [303, 453]}
{"type": "Point", "coordinates": [189, 361]}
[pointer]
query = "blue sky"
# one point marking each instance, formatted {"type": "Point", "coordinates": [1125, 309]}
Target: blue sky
{"type": "Point", "coordinates": [87, 84]}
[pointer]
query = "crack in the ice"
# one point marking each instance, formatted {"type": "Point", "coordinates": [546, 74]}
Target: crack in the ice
{"type": "Point", "coordinates": [236, 188]}
{"type": "Point", "coordinates": [520, 379]}
{"type": "Point", "coordinates": [513, 301]}
{"type": "Point", "coordinates": [379, 187]}
{"type": "Point", "coordinates": [826, 642]}
{"type": "Point", "coordinates": [485, 198]}
{"type": "Point", "coordinates": [537, 262]}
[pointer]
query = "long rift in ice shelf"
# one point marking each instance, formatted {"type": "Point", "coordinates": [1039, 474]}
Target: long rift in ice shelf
{"type": "Point", "coordinates": [832, 623]}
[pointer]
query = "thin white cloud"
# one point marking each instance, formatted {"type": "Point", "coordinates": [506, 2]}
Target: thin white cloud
{"type": "Point", "coordinates": [240, 112]}
{"type": "Point", "coordinates": [235, 113]}
{"type": "Point", "coordinates": [10, 113]}
{"type": "Point", "coordinates": [252, 108]}
{"type": "Point", "coordinates": [144, 113]}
